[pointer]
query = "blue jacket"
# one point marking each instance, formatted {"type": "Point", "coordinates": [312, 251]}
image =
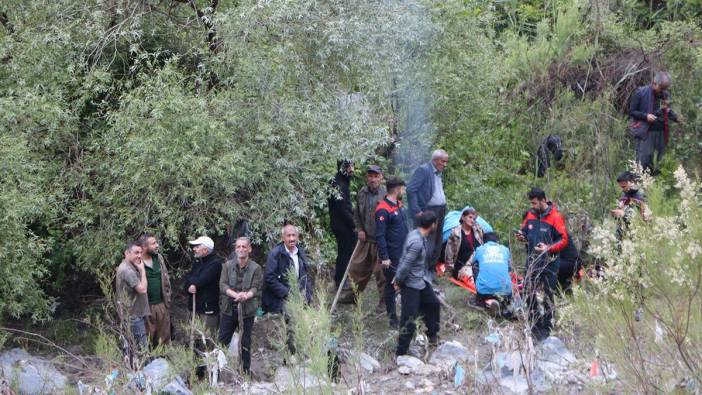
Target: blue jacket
{"type": "Point", "coordinates": [412, 270]}
{"type": "Point", "coordinates": [420, 189]}
{"type": "Point", "coordinates": [492, 264]}
{"type": "Point", "coordinates": [275, 281]}
{"type": "Point", "coordinates": [390, 230]}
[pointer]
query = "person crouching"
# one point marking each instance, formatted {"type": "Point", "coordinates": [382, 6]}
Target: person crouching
{"type": "Point", "coordinates": [490, 266]}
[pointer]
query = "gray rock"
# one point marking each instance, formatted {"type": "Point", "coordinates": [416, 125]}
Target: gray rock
{"type": "Point", "coordinates": [367, 362]}
{"type": "Point", "coordinates": [303, 378]}
{"type": "Point", "coordinates": [32, 375]}
{"type": "Point", "coordinates": [409, 385]}
{"type": "Point", "coordinates": [553, 350]}
{"type": "Point", "coordinates": [404, 370]}
{"type": "Point", "coordinates": [262, 388]}
{"type": "Point", "coordinates": [409, 361]}
{"type": "Point", "coordinates": [449, 353]}
{"type": "Point", "coordinates": [162, 380]}
{"type": "Point", "coordinates": [176, 387]}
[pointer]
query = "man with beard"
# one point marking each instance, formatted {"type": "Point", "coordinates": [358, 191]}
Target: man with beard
{"type": "Point", "coordinates": [364, 262]}
{"type": "Point", "coordinates": [240, 286]}
{"type": "Point", "coordinates": [158, 324]}
{"type": "Point", "coordinates": [203, 282]}
{"type": "Point", "coordinates": [390, 233]}
{"type": "Point", "coordinates": [545, 232]}
{"type": "Point", "coordinates": [341, 217]}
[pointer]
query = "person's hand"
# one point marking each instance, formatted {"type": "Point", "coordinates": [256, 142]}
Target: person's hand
{"type": "Point", "coordinates": [617, 213]}
{"type": "Point", "coordinates": [361, 235]}
{"type": "Point", "coordinates": [465, 272]}
{"type": "Point", "coordinates": [139, 264]}
{"type": "Point", "coordinates": [395, 285]}
{"type": "Point", "coordinates": [192, 289]}
{"type": "Point", "coordinates": [541, 247]}
{"type": "Point", "coordinates": [650, 118]}
{"type": "Point", "coordinates": [385, 263]}
{"type": "Point", "coordinates": [520, 236]}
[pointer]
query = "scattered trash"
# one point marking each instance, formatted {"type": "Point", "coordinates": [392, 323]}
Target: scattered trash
{"type": "Point", "coordinates": [594, 368]}
{"type": "Point", "coordinates": [459, 375]}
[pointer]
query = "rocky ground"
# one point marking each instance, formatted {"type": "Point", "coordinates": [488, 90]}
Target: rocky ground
{"type": "Point", "coordinates": [476, 354]}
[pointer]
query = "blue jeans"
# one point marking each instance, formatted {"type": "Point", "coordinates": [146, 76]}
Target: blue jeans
{"type": "Point", "coordinates": [138, 328]}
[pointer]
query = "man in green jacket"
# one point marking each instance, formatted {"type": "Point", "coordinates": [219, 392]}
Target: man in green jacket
{"type": "Point", "coordinates": [158, 324]}
{"type": "Point", "coordinates": [240, 287]}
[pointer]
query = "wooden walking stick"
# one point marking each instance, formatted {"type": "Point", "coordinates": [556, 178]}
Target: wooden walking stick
{"type": "Point", "coordinates": [192, 327]}
{"type": "Point", "coordinates": [343, 279]}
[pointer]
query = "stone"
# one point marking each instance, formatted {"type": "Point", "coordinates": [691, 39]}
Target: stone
{"type": "Point", "coordinates": [404, 370]}
{"type": "Point", "coordinates": [553, 350]}
{"type": "Point", "coordinates": [409, 361]}
{"type": "Point", "coordinates": [162, 380]}
{"type": "Point", "coordinates": [32, 375]}
{"type": "Point", "coordinates": [515, 384]}
{"type": "Point", "coordinates": [367, 362]}
{"type": "Point", "coordinates": [409, 385]}
{"type": "Point", "coordinates": [262, 388]}
{"type": "Point", "coordinates": [286, 381]}
{"type": "Point", "coordinates": [449, 353]}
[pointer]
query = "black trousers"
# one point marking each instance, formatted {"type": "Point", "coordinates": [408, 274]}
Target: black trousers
{"type": "Point", "coordinates": [389, 293]}
{"type": "Point", "coordinates": [416, 302]}
{"type": "Point", "coordinates": [345, 243]}
{"type": "Point", "coordinates": [566, 271]}
{"type": "Point", "coordinates": [436, 238]}
{"type": "Point", "coordinates": [545, 279]}
{"type": "Point", "coordinates": [230, 324]}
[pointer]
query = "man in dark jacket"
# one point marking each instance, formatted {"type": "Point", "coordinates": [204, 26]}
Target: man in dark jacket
{"type": "Point", "coordinates": [240, 285]}
{"type": "Point", "coordinates": [286, 258]}
{"type": "Point", "coordinates": [425, 192]}
{"type": "Point", "coordinates": [568, 266]}
{"type": "Point", "coordinates": [413, 280]}
{"type": "Point", "coordinates": [390, 234]}
{"type": "Point", "coordinates": [341, 217]}
{"type": "Point", "coordinates": [651, 104]}
{"type": "Point", "coordinates": [203, 282]}
{"type": "Point", "coordinates": [545, 232]}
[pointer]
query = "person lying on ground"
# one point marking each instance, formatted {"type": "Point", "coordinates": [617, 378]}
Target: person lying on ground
{"type": "Point", "coordinates": [463, 241]}
{"type": "Point", "coordinates": [490, 267]}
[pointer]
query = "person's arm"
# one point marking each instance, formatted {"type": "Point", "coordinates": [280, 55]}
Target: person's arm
{"type": "Point", "coordinates": [413, 187]}
{"type": "Point", "coordinates": [224, 287]}
{"type": "Point", "coordinates": [634, 106]}
{"type": "Point", "coordinates": [272, 278]}
{"type": "Point", "coordinates": [561, 236]}
{"type": "Point", "coordinates": [412, 251]}
{"type": "Point", "coordinates": [136, 281]}
{"type": "Point", "coordinates": [381, 220]}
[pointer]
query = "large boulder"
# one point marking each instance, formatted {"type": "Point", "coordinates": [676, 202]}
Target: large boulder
{"type": "Point", "coordinates": [32, 375]}
{"type": "Point", "coordinates": [162, 380]}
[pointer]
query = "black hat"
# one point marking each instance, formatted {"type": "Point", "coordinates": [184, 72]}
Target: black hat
{"type": "Point", "coordinates": [374, 169]}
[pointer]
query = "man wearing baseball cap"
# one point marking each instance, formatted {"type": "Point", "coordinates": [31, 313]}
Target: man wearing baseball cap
{"type": "Point", "coordinates": [364, 261]}
{"type": "Point", "coordinates": [203, 282]}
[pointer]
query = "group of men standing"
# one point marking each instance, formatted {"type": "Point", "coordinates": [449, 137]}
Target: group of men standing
{"type": "Point", "coordinates": [224, 294]}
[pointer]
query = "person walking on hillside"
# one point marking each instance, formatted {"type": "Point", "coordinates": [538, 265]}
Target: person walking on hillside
{"type": "Point", "coordinates": [240, 287]}
{"type": "Point", "coordinates": [463, 241]}
{"type": "Point", "coordinates": [364, 261]}
{"type": "Point", "coordinates": [545, 232]}
{"type": "Point", "coordinates": [425, 192]}
{"type": "Point", "coordinates": [390, 233]}
{"type": "Point", "coordinates": [203, 282]}
{"type": "Point", "coordinates": [414, 281]}
{"type": "Point", "coordinates": [341, 217]}
{"type": "Point", "coordinates": [131, 300]}
{"type": "Point", "coordinates": [631, 203]}
{"type": "Point", "coordinates": [651, 104]}
{"type": "Point", "coordinates": [158, 323]}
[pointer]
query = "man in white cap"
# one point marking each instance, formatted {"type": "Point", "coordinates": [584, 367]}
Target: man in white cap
{"type": "Point", "coordinates": [203, 282]}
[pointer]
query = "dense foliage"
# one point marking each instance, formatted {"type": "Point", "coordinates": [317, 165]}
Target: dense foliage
{"type": "Point", "coordinates": [184, 116]}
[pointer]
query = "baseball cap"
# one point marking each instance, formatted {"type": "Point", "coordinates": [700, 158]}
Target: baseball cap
{"type": "Point", "coordinates": [203, 240]}
{"type": "Point", "coordinates": [374, 169]}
